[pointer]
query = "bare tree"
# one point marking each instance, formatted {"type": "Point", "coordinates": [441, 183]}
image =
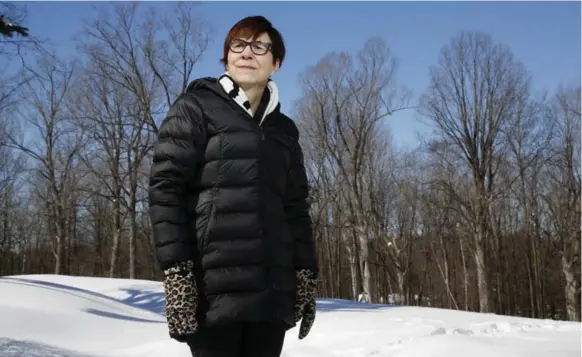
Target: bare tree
{"type": "Point", "coordinates": [153, 70]}
{"type": "Point", "coordinates": [54, 154]}
{"type": "Point", "coordinates": [343, 104]}
{"type": "Point", "coordinates": [10, 169]}
{"type": "Point", "coordinates": [528, 139]}
{"type": "Point", "coordinates": [138, 75]}
{"type": "Point", "coordinates": [473, 93]}
{"type": "Point", "coordinates": [563, 194]}
{"type": "Point", "coordinates": [103, 109]}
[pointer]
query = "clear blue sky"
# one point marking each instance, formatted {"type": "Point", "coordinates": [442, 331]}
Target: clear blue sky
{"type": "Point", "coordinates": [544, 35]}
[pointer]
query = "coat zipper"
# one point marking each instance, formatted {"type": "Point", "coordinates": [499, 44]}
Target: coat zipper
{"type": "Point", "coordinates": [260, 127]}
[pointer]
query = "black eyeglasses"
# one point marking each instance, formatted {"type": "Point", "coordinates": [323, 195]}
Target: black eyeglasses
{"type": "Point", "coordinates": [257, 47]}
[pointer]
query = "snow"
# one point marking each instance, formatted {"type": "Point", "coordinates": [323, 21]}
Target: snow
{"type": "Point", "coordinates": [64, 316]}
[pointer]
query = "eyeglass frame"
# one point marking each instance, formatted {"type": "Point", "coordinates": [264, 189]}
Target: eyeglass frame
{"type": "Point", "coordinates": [249, 44]}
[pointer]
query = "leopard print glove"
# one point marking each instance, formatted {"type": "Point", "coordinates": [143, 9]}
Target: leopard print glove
{"type": "Point", "coordinates": [305, 301]}
{"type": "Point", "coordinates": [181, 300]}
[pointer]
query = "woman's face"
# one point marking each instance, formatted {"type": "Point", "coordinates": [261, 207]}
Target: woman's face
{"type": "Point", "coordinates": [254, 65]}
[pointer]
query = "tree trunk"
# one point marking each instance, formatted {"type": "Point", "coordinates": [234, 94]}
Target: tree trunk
{"type": "Point", "coordinates": [116, 237]}
{"type": "Point", "coordinates": [481, 266]}
{"type": "Point", "coordinates": [571, 290]}
{"type": "Point", "coordinates": [355, 268]}
{"type": "Point", "coordinates": [465, 273]}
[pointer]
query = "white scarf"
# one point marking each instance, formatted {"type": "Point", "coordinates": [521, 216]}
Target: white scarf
{"type": "Point", "coordinates": [239, 96]}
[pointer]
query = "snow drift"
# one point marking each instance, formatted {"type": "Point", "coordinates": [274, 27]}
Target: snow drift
{"type": "Point", "coordinates": [63, 316]}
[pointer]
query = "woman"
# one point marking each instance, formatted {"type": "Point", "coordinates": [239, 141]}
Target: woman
{"type": "Point", "coordinates": [228, 205]}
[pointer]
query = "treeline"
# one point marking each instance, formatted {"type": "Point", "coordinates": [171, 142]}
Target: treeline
{"type": "Point", "coordinates": [483, 216]}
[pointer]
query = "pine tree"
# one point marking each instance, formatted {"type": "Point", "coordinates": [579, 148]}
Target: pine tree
{"type": "Point", "coordinates": [8, 29]}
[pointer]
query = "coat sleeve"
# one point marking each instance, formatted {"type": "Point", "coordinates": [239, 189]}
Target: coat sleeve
{"type": "Point", "coordinates": [180, 140]}
{"type": "Point", "coordinates": [297, 210]}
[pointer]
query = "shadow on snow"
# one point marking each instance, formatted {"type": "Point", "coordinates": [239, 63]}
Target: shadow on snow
{"type": "Point", "coordinates": [21, 348]}
{"type": "Point", "coordinates": [153, 301]}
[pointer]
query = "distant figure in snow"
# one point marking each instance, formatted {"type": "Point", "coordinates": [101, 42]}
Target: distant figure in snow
{"type": "Point", "coordinates": [228, 205]}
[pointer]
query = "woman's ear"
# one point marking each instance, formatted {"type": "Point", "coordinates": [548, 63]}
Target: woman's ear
{"type": "Point", "coordinates": [277, 64]}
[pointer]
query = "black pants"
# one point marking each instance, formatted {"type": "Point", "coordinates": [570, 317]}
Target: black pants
{"type": "Point", "coordinates": [252, 339]}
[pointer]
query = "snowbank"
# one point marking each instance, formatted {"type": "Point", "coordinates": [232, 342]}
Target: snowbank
{"type": "Point", "coordinates": [63, 316]}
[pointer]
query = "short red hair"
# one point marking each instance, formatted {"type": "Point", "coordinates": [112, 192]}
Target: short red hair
{"type": "Point", "coordinates": [252, 27]}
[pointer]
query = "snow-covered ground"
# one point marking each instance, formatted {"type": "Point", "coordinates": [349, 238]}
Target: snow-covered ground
{"type": "Point", "coordinates": [62, 316]}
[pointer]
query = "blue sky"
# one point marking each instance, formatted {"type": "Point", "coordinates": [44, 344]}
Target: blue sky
{"type": "Point", "coordinates": [544, 35]}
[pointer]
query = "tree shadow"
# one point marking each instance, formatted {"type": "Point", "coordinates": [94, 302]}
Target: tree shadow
{"type": "Point", "coordinates": [154, 300]}
{"type": "Point", "coordinates": [149, 300]}
{"type": "Point", "coordinates": [115, 315]}
{"type": "Point", "coordinates": [22, 348]}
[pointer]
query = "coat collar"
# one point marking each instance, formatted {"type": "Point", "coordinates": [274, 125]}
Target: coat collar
{"type": "Point", "coordinates": [238, 95]}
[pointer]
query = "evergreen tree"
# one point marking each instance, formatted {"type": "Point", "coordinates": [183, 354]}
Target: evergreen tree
{"type": "Point", "coordinates": [8, 29]}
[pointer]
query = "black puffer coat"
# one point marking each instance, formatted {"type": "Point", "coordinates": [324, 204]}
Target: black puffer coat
{"type": "Point", "coordinates": [231, 195]}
